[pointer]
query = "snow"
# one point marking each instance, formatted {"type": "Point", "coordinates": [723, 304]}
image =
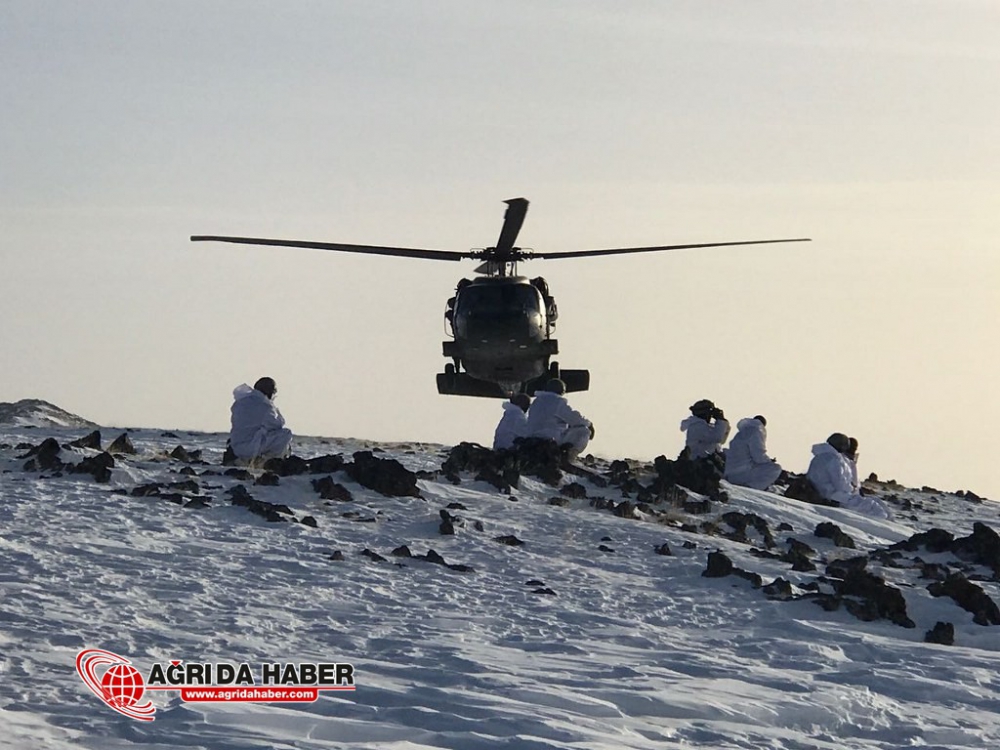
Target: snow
{"type": "Point", "coordinates": [38, 413]}
{"type": "Point", "coordinates": [634, 650]}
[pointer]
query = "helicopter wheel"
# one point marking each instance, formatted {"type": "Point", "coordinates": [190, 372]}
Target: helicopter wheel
{"type": "Point", "coordinates": [449, 369]}
{"type": "Point", "coordinates": [554, 370]}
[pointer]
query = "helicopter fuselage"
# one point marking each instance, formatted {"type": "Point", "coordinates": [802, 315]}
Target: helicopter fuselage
{"type": "Point", "coordinates": [501, 328]}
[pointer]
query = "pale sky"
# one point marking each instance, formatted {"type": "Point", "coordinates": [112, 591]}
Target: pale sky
{"type": "Point", "coordinates": [870, 127]}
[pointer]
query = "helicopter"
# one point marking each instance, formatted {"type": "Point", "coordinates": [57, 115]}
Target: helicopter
{"type": "Point", "coordinates": [500, 324]}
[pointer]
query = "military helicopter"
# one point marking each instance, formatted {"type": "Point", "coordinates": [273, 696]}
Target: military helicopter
{"type": "Point", "coordinates": [501, 324]}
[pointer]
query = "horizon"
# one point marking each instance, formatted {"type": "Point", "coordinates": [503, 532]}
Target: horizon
{"type": "Point", "coordinates": [308, 438]}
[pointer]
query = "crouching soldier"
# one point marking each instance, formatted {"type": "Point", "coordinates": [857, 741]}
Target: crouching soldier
{"type": "Point", "coordinates": [747, 462]}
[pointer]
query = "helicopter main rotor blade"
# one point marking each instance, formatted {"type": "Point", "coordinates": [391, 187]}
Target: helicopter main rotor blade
{"type": "Point", "coordinates": [400, 252]}
{"type": "Point", "coordinates": [624, 250]}
{"type": "Point", "coordinates": [512, 221]}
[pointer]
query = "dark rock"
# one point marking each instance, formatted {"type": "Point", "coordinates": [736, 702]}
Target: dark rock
{"type": "Point", "coordinates": [574, 490]}
{"type": "Point", "coordinates": [188, 485]}
{"type": "Point", "coordinates": [800, 563]}
{"type": "Point", "coordinates": [798, 547]}
{"type": "Point", "coordinates": [933, 540]}
{"type": "Point", "coordinates": [621, 474]}
{"type": "Point", "coordinates": [828, 602]}
{"type": "Point", "coordinates": [169, 434]}
{"type": "Point", "coordinates": [740, 522]}
{"type": "Point", "coordinates": [93, 440]}
{"type": "Point", "coordinates": [181, 454]}
{"type": "Point", "coordinates": [196, 502]}
{"type": "Point", "coordinates": [401, 551]}
{"type": "Point", "coordinates": [45, 456]}
{"type": "Point", "coordinates": [447, 526]}
{"type": "Point", "coordinates": [384, 475]}
{"type": "Point", "coordinates": [272, 512]}
{"type": "Point", "coordinates": [331, 490]}
{"type": "Point", "coordinates": [624, 509]}
{"type": "Point", "coordinates": [544, 592]}
{"type": "Point", "coordinates": [434, 557]}
{"type": "Point", "coordinates": [942, 633]}
{"type": "Point", "coordinates": [122, 445]}
{"type": "Point", "coordinates": [309, 521]}
{"type": "Point", "coordinates": [455, 506]}
{"type": "Point", "coordinates": [146, 490]}
{"type": "Point", "coordinates": [326, 464]}
{"type": "Point", "coordinates": [887, 558]}
{"type": "Point", "coordinates": [878, 600]}
{"type": "Point", "coordinates": [800, 488]}
{"type": "Point", "coordinates": [663, 549]}
{"type": "Point", "coordinates": [719, 565]}
{"type": "Point", "coordinates": [754, 578]}
{"type": "Point", "coordinates": [562, 502]}
{"type": "Point", "coordinates": [697, 507]}
{"type": "Point", "coordinates": [842, 568]}
{"type": "Point", "coordinates": [374, 556]}
{"type": "Point", "coordinates": [242, 474]}
{"type": "Point", "coordinates": [501, 469]}
{"type": "Point", "coordinates": [509, 539]}
{"type": "Point", "coordinates": [689, 545]}
{"type": "Point", "coordinates": [289, 466]}
{"type": "Point", "coordinates": [542, 459]}
{"type": "Point", "coordinates": [268, 479]}
{"type": "Point", "coordinates": [337, 556]}
{"type": "Point", "coordinates": [98, 466]}
{"type": "Point", "coordinates": [784, 526]}
{"type": "Point", "coordinates": [933, 571]}
{"type": "Point", "coordinates": [534, 582]}
{"type": "Point", "coordinates": [969, 597]}
{"type": "Point", "coordinates": [701, 476]}
{"type": "Point", "coordinates": [767, 554]}
{"type": "Point", "coordinates": [229, 458]}
{"type": "Point", "coordinates": [981, 547]}
{"type": "Point", "coordinates": [605, 548]}
{"type": "Point", "coordinates": [834, 533]}
{"type": "Point", "coordinates": [779, 589]}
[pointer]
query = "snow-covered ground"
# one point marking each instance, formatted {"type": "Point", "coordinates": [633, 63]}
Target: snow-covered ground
{"type": "Point", "coordinates": [631, 649]}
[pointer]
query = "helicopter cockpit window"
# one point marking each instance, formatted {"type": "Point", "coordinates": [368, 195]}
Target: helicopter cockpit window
{"type": "Point", "coordinates": [499, 300]}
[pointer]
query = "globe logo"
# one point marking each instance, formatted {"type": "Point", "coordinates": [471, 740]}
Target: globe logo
{"type": "Point", "coordinates": [120, 686]}
{"type": "Point", "coordinates": [123, 684]}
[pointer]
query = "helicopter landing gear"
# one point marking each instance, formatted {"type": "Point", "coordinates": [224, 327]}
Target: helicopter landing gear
{"type": "Point", "coordinates": [461, 384]}
{"type": "Point", "coordinates": [553, 370]}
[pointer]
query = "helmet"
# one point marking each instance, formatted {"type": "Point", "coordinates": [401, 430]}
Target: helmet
{"type": "Point", "coordinates": [705, 406]}
{"type": "Point", "coordinates": [266, 386]}
{"type": "Point", "coordinates": [556, 386]}
{"type": "Point", "coordinates": [839, 442]}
